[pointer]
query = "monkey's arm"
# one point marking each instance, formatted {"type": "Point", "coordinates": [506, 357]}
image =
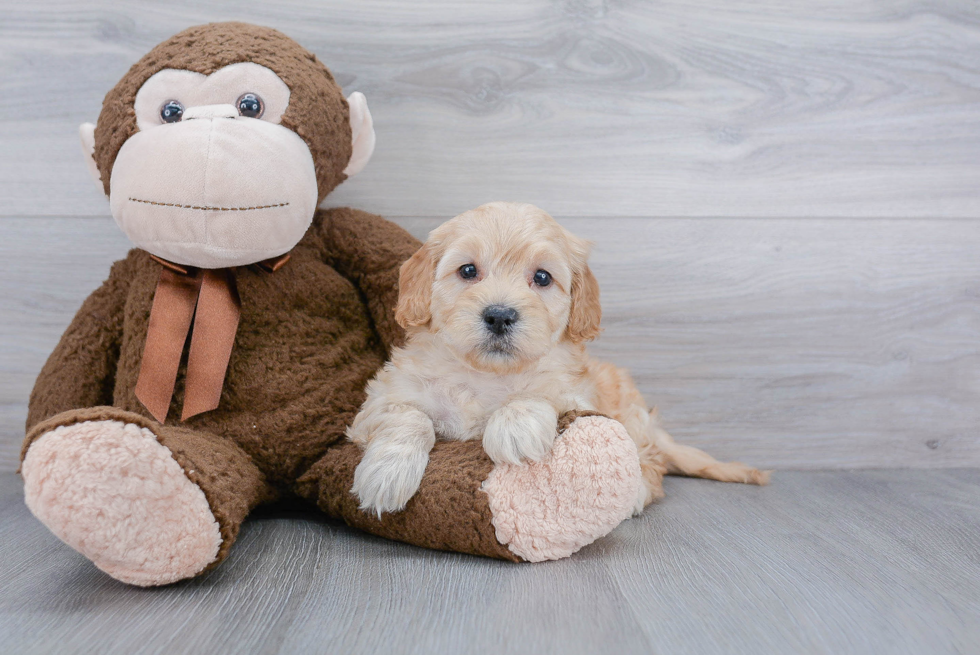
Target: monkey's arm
{"type": "Point", "coordinates": [528, 512]}
{"type": "Point", "coordinates": [80, 372]}
{"type": "Point", "coordinates": [369, 251]}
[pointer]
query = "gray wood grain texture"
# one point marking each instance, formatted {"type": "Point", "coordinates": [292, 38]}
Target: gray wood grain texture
{"type": "Point", "coordinates": [821, 312]}
{"type": "Point", "coordinates": [680, 108]}
{"type": "Point", "coordinates": [785, 343]}
{"type": "Point", "coordinates": [831, 562]}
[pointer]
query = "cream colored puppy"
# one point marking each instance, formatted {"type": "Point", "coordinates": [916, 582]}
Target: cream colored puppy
{"type": "Point", "coordinates": [497, 305]}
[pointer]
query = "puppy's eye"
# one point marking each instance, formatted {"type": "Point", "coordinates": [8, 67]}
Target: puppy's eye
{"type": "Point", "coordinates": [467, 271]}
{"type": "Point", "coordinates": [542, 278]}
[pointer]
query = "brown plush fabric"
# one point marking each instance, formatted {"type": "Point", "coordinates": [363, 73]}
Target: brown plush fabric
{"type": "Point", "coordinates": [448, 512]}
{"type": "Point", "coordinates": [310, 337]}
{"type": "Point", "coordinates": [317, 112]}
{"type": "Point", "coordinates": [231, 482]}
{"type": "Point", "coordinates": [565, 420]}
{"type": "Point", "coordinates": [305, 349]}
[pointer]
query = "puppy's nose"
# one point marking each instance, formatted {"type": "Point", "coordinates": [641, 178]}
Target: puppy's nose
{"type": "Point", "coordinates": [499, 318]}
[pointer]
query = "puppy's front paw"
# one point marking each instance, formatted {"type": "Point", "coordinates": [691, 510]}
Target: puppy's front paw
{"type": "Point", "coordinates": [523, 429]}
{"type": "Point", "coordinates": [388, 476]}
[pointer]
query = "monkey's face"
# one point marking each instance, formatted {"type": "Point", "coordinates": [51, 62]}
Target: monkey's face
{"type": "Point", "coordinates": [215, 164]}
{"type": "Point", "coordinates": [211, 178]}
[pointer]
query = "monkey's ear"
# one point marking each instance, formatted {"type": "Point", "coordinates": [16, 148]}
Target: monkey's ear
{"type": "Point", "coordinates": [362, 134]}
{"type": "Point", "coordinates": [87, 132]}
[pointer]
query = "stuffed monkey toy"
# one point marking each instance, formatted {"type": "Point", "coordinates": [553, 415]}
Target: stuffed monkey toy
{"type": "Point", "coordinates": [218, 366]}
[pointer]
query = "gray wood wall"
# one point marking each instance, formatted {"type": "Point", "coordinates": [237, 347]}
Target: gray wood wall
{"type": "Point", "coordinates": [784, 197]}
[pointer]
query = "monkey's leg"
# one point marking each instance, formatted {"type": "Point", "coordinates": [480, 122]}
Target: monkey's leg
{"type": "Point", "coordinates": [148, 504]}
{"type": "Point", "coordinates": [529, 512]}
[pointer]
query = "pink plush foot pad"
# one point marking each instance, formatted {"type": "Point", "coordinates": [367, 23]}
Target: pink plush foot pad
{"type": "Point", "coordinates": [116, 495]}
{"type": "Point", "coordinates": [585, 488]}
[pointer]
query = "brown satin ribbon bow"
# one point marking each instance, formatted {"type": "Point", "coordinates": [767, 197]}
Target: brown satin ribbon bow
{"type": "Point", "coordinates": [208, 299]}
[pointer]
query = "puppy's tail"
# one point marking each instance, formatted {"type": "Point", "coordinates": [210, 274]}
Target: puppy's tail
{"type": "Point", "coordinates": [686, 460]}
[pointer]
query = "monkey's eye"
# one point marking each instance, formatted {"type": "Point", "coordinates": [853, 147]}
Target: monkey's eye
{"type": "Point", "coordinates": [542, 278]}
{"type": "Point", "coordinates": [171, 111]}
{"type": "Point", "coordinates": [467, 271]}
{"type": "Point", "coordinates": [250, 105]}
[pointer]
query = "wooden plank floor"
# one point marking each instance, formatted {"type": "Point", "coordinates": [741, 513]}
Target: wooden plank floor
{"type": "Point", "coordinates": [819, 562]}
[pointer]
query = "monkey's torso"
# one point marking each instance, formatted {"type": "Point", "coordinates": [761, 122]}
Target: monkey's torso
{"type": "Point", "coordinates": [305, 348]}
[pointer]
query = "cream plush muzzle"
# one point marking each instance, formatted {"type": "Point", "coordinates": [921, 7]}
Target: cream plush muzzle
{"type": "Point", "coordinates": [173, 196]}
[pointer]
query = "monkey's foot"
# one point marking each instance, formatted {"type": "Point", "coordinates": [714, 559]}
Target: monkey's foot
{"type": "Point", "coordinates": [585, 488]}
{"type": "Point", "coordinates": [112, 492]}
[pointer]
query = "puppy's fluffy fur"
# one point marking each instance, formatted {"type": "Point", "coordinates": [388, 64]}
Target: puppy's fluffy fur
{"type": "Point", "coordinates": [494, 353]}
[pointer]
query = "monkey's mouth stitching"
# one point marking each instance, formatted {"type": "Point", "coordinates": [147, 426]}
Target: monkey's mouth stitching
{"type": "Point", "coordinates": [219, 209]}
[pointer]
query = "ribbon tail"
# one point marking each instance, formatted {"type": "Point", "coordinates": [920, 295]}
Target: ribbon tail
{"type": "Point", "coordinates": [215, 325]}
{"type": "Point", "coordinates": [170, 321]}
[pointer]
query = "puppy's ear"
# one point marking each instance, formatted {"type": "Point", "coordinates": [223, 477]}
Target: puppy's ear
{"type": "Point", "coordinates": [415, 289]}
{"type": "Point", "coordinates": [586, 312]}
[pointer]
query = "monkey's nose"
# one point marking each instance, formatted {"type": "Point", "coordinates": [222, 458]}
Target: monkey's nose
{"type": "Point", "coordinates": [499, 319]}
{"type": "Point", "coordinates": [210, 111]}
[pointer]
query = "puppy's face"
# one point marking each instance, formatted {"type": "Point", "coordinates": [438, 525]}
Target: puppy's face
{"type": "Point", "coordinates": [501, 285]}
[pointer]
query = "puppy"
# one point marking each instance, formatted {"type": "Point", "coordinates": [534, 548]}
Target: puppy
{"type": "Point", "coordinates": [497, 306]}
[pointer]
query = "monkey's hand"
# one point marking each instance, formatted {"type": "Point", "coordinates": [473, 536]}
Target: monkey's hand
{"type": "Point", "coordinates": [522, 429]}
